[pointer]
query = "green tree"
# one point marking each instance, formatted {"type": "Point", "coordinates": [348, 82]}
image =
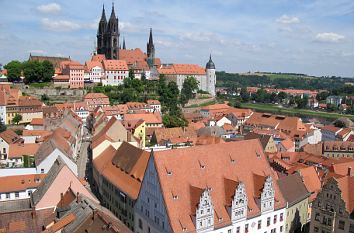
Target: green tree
{"type": "Point", "coordinates": [301, 102]}
{"type": "Point", "coordinates": [282, 96]}
{"type": "Point", "coordinates": [2, 126]}
{"type": "Point", "coordinates": [17, 118]}
{"type": "Point", "coordinates": [14, 69]}
{"type": "Point", "coordinates": [47, 71]}
{"type": "Point", "coordinates": [244, 94]}
{"type": "Point", "coordinates": [171, 121]}
{"type": "Point", "coordinates": [190, 85]}
{"type": "Point", "coordinates": [32, 70]}
{"type": "Point", "coordinates": [131, 73]}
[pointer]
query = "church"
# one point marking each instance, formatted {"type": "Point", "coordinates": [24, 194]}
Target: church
{"type": "Point", "coordinates": [144, 64]}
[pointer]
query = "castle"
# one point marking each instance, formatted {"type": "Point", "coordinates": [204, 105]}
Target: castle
{"type": "Point", "coordinates": [146, 64]}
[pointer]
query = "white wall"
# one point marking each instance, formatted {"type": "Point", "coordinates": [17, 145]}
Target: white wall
{"type": "Point", "coordinates": [17, 171]}
{"type": "Point", "coordinates": [48, 162]}
{"type": "Point", "coordinates": [22, 195]}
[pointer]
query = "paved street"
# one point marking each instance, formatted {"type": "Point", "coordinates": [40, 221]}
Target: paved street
{"type": "Point", "coordinates": [83, 160]}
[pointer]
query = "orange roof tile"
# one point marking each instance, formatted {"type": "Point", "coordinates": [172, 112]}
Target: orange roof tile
{"type": "Point", "coordinates": [37, 121]}
{"type": "Point", "coordinates": [20, 182]}
{"type": "Point", "coordinates": [186, 172]}
{"type": "Point", "coordinates": [19, 150]}
{"type": "Point", "coordinates": [114, 65]}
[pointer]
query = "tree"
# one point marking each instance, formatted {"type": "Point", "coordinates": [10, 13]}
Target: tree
{"type": "Point", "coordinates": [244, 94]}
{"type": "Point", "coordinates": [339, 123]}
{"type": "Point", "coordinates": [2, 126]}
{"type": "Point", "coordinates": [47, 71]}
{"type": "Point", "coordinates": [131, 73]}
{"type": "Point", "coordinates": [301, 102]}
{"type": "Point", "coordinates": [45, 98]}
{"type": "Point", "coordinates": [282, 96]}
{"type": "Point", "coordinates": [190, 85]}
{"type": "Point", "coordinates": [171, 121]}
{"type": "Point", "coordinates": [14, 69]}
{"type": "Point", "coordinates": [17, 118]}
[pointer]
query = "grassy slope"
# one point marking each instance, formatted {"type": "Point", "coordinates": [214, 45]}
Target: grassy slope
{"type": "Point", "coordinates": [291, 111]}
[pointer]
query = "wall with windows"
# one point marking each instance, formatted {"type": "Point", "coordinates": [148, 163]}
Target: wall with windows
{"type": "Point", "coordinates": [20, 194]}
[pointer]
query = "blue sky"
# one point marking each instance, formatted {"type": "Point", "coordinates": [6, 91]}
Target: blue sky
{"type": "Point", "coordinates": [304, 36]}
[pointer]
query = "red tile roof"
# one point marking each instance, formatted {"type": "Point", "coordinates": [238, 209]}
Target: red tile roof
{"type": "Point", "coordinates": [37, 121]}
{"type": "Point", "coordinates": [115, 65]}
{"type": "Point", "coordinates": [182, 69]}
{"type": "Point", "coordinates": [20, 182]}
{"type": "Point", "coordinates": [186, 172]}
{"type": "Point", "coordinates": [19, 150]}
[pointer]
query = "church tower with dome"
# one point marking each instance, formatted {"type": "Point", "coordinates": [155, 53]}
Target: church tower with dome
{"type": "Point", "coordinates": [210, 76]}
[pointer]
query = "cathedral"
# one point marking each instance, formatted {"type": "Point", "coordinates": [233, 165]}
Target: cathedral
{"type": "Point", "coordinates": [108, 36]}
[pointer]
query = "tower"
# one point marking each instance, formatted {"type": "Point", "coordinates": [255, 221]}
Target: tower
{"type": "Point", "coordinates": [150, 51]}
{"type": "Point", "coordinates": [211, 76]}
{"type": "Point", "coordinates": [108, 35]}
{"type": "Point", "coordinates": [100, 33]}
{"type": "Point", "coordinates": [124, 47]}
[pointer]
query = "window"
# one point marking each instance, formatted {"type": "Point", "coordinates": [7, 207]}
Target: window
{"type": "Point", "coordinates": [237, 230]}
{"type": "Point", "coordinates": [317, 217]}
{"type": "Point", "coordinates": [275, 219]}
{"type": "Point", "coordinates": [259, 224]}
{"type": "Point", "coordinates": [341, 224]}
{"type": "Point", "coordinates": [281, 228]}
{"type": "Point", "coordinates": [42, 170]}
{"type": "Point", "coordinates": [281, 217]}
{"type": "Point", "coordinates": [246, 228]}
{"type": "Point", "coordinates": [7, 195]}
{"type": "Point", "coordinates": [229, 231]}
{"type": "Point", "coordinates": [268, 221]}
{"type": "Point", "coordinates": [17, 194]}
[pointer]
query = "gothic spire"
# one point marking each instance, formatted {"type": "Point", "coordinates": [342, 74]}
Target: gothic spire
{"type": "Point", "coordinates": [113, 14]}
{"type": "Point", "coordinates": [103, 17]}
{"type": "Point", "coordinates": [124, 47]}
{"type": "Point", "coordinates": [150, 37]}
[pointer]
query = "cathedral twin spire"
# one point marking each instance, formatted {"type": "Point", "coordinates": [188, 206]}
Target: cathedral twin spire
{"type": "Point", "coordinates": [108, 35]}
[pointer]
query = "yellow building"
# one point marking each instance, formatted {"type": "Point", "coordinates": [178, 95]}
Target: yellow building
{"type": "Point", "coordinates": [27, 106]}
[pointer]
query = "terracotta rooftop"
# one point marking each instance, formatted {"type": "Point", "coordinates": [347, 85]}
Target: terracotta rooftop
{"type": "Point", "coordinates": [37, 121]}
{"type": "Point", "coordinates": [346, 185]}
{"type": "Point", "coordinates": [114, 65]}
{"type": "Point", "coordinates": [124, 168]}
{"type": "Point", "coordinates": [185, 173]}
{"type": "Point", "coordinates": [293, 189]}
{"type": "Point", "coordinates": [311, 180]}
{"type": "Point", "coordinates": [149, 118]}
{"type": "Point", "coordinates": [10, 136]}
{"type": "Point", "coordinates": [19, 150]}
{"type": "Point", "coordinates": [20, 182]}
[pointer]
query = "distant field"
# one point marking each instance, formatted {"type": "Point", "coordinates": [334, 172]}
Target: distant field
{"type": "Point", "coordinates": [296, 112]}
{"type": "Point", "coordinates": [285, 76]}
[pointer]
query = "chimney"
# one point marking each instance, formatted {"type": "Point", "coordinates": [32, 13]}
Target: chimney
{"type": "Point", "coordinates": [349, 171]}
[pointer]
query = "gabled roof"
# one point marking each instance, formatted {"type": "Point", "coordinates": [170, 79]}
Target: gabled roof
{"type": "Point", "coordinates": [113, 131]}
{"type": "Point", "coordinates": [9, 136]}
{"type": "Point", "coordinates": [149, 118]}
{"type": "Point", "coordinates": [58, 180]}
{"type": "Point", "coordinates": [184, 172]}
{"type": "Point", "coordinates": [311, 180]}
{"type": "Point", "coordinates": [53, 142]}
{"type": "Point", "coordinates": [293, 188]}
{"type": "Point", "coordinates": [37, 121]}
{"type": "Point", "coordinates": [264, 139]}
{"type": "Point", "coordinates": [124, 168]}
{"type": "Point", "coordinates": [346, 185]}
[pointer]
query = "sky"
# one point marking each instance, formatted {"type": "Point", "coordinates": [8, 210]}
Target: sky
{"type": "Point", "coordinates": [314, 37]}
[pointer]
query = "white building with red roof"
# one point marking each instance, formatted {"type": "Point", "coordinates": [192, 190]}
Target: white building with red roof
{"type": "Point", "coordinates": [115, 72]}
{"type": "Point", "coordinates": [179, 72]}
{"type": "Point", "coordinates": [212, 188]}
{"type": "Point", "coordinates": [94, 71]}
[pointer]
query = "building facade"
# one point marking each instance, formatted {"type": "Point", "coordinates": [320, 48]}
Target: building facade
{"type": "Point", "coordinates": [332, 210]}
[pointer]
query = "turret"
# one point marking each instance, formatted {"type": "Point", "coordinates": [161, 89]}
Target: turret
{"type": "Point", "coordinates": [211, 76]}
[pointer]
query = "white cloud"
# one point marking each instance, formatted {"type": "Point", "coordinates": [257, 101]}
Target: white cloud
{"type": "Point", "coordinates": [50, 8]}
{"type": "Point", "coordinates": [60, 25]}
{"type": "Point", "coordinates": [285, 19]}
{"type": "Point", "coordinates": [329, 37]}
